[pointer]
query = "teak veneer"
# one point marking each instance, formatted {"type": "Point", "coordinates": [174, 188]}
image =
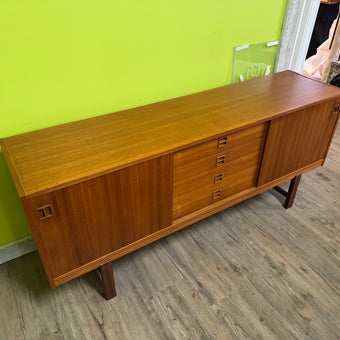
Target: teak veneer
{"type": "Point", "coordinates": [97, 189]}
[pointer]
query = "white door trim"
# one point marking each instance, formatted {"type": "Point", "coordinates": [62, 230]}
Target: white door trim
{"type": "Point", "coordinates": [296, 32]}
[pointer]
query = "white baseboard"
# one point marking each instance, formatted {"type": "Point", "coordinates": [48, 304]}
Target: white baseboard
{"type": "Point", "coordinates": [16, 249]}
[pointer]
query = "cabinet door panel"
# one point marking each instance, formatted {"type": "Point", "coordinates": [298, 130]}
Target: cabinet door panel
{"type": "Point", "coordinates": [93, 218]}
{"type": "Point", "coordinates": [297, 140]}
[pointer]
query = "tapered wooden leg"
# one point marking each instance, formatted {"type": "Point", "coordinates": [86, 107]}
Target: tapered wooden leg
{"type": "Point", "coordinates": [108, 280]}
{"type": "Point", "coordinates": [290, 194]}
{"type": "Point", "coordinates": [294, 184]}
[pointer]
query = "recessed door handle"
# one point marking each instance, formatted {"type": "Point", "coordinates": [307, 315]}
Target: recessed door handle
{"type": "Point", "coordinates": [45, 212]}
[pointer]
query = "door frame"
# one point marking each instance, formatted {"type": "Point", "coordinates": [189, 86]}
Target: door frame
{"type": "Point", "coordinates": [297, 29]}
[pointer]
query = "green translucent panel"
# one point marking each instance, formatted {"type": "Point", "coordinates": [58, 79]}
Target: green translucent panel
{"type": "Point", "coordinates": [253, 61]}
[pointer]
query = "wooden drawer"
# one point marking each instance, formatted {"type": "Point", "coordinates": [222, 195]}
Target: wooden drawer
{"type": "Point", "coordinates": [208, 151]}
{"type": "Point", "coordinates": [198, 195]}
{"type": "Point", "coordinates": [205, 170]}
{"type": "Point", "coordinates": [196, 180]}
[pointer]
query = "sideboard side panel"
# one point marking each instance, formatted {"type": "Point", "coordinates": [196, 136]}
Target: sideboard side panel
{"type": "Point", "coordinates": [96, 217]}
{"type": "Point", "coordinates": [297, 140]}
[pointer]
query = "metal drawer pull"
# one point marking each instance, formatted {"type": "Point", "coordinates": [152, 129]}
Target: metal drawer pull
{"type": "Point", "coordinates": [216, 194]}
{"type": "Point", "coordinates": [220, 160]}
{"type": "Point", "coordinates": [218, 178]}
{"type": "Point", "coordinates": [222, 141]}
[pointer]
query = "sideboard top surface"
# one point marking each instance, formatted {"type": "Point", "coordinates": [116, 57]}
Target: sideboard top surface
{"type": "Point", "coordinates": [69, 153]}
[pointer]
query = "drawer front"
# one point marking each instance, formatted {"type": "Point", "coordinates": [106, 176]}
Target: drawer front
{"type": "Point", "coordinates": [199, 195]}
{"type": "Point", "coordinates": [217, 147]}
{"type": "Point", "coordinates": [205, 178]}
{"type": "Point", "coordinates": [228, 162]}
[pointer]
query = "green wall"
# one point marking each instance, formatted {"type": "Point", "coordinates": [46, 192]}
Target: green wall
{"type": "Point", "coordinates": [62, 61]}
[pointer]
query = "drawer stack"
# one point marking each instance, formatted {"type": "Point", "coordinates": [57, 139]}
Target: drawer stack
{"type": "Point", "coordinates": [216, 169]}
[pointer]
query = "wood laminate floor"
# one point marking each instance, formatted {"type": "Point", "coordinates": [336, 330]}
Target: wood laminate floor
{"type": "Point", "coordinates": [253, 271]}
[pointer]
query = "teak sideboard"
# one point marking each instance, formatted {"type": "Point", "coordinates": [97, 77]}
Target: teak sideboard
{"type": "Point", "coordinates": [97, 189]}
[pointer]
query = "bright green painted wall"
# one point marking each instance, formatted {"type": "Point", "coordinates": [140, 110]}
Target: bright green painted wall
{"type": "Point", "coordinates": [62, 61]}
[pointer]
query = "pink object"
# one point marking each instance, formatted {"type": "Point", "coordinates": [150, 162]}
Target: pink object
{"type": "Point", "coordinates": [314, 65]}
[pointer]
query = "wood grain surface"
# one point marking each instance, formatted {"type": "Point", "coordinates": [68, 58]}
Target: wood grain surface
{"type": "Point", "coordinates": [52, 158]}
{"type": "Point", "coordinates": [253, 271]}
{"type": "Point", "coordinates": [195, 170]}
{"type": "Point", "coordinates": [177, 225]}
{"type": "Point", "coordinates": [297, 140]}
{"type": "Point", "coordinates": [96, 217]}
{"type": "Point", "coordinates": [203, 156]}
